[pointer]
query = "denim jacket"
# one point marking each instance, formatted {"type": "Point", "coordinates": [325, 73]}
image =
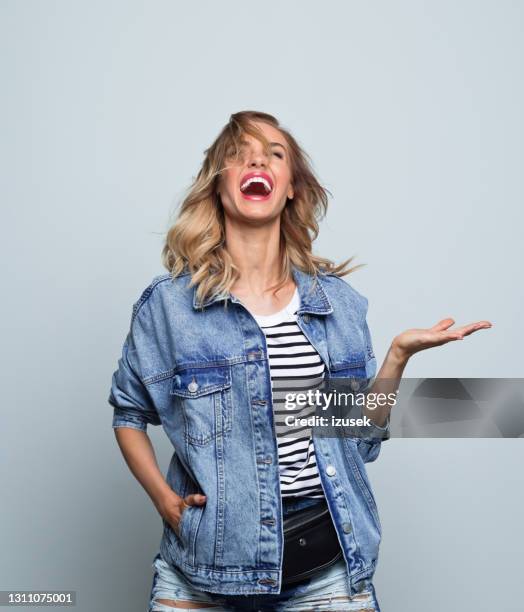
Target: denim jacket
{"type": "Point", "coordinates": [202, 372]}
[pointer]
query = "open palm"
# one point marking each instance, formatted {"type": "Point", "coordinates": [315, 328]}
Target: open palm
{"type": "Point", "coordinates": [413, 340]}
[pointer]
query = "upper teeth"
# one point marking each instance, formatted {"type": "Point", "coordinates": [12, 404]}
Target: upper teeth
{"type": "Point", "coordinates": [256, 179]}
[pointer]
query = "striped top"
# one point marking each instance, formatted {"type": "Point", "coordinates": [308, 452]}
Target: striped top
{"type": "Point", "coordinates": [295, 366]}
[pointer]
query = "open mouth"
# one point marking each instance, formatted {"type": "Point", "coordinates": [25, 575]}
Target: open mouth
{"type": "Point", "coordinates": [256, 186]}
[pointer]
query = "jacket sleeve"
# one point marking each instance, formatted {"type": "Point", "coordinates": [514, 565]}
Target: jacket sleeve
{"type": "Point", "coordinates": [131, 401]}
{"type": "Point", "coordinates": [369, 445]}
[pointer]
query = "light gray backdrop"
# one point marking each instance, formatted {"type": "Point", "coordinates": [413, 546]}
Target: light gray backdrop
{"type": "Point", "coordinates": [410, 111]}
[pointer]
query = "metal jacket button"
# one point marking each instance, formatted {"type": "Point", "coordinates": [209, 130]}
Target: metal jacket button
{"type": "Point", "coordinates": [193, 386]}
{"type": "Point", "coordinates": [331, 470]}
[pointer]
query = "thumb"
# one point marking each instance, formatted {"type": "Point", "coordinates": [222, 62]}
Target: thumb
{"type": "Point", "coordinates": [195, 499]}
{"type": "Point", "coordinates": [442, 325]}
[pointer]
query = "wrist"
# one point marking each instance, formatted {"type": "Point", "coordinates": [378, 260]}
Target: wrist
{"type": "Point", "coordinates": [398, 355]}
{"type": "Point", "coordinates": [162, 497]}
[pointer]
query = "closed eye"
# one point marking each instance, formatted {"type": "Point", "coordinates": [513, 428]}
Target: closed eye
{"type": "Point", "coordinates": [278, 154]}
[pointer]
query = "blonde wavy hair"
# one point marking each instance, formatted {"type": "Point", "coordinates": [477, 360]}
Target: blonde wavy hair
{"type": "Point", "coordinates": [196, 241]}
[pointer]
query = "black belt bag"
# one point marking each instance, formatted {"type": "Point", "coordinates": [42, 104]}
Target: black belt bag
{"type": "Point", "coordinates": [310, 543]}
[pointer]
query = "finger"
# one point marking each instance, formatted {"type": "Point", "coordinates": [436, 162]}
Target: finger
{"type": "Point", "coordinates": [195, 499]}
{"type": "Point", "coordinates": [465, 330]}
{"type": "Point", "coordinates": [482, 324]}
{"type": "Point", "coordinates": [449, 336]}
{"type": "Point", "coordinates": [475, 328]}
{"type": "Point", "coordinates": [444, 324]}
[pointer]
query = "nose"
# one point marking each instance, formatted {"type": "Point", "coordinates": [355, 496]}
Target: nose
{"type": "Point", "coordinates": [257, 158]}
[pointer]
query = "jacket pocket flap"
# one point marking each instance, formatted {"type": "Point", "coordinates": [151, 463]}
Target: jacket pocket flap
{"type": "Point", "coordinates": [194, 382]}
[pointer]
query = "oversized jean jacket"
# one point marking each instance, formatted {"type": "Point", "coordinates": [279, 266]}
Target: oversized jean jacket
{"type": "Point", "coordinates": [202, 372]}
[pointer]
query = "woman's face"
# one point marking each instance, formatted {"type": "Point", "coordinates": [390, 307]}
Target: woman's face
{"type": "Point", "coordinates": [256, 187]}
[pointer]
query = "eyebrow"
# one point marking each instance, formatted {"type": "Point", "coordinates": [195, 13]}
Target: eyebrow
{"type": "Point", "coordinates": [273, 144]}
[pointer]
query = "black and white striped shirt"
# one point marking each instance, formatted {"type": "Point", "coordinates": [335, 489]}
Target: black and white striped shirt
{"type": "Point", "coordinates": [295, 366]}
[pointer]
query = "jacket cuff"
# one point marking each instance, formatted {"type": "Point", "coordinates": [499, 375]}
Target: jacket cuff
{"type": "Point", "coordinates": [127, 418]}
{"type": "Point", "coordinates": [380, 432]}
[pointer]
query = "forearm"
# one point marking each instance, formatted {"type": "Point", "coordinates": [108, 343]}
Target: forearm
{"type": "Point", "coordinates": [386, 382]}
{"type": "Point", "coordinates": [140, 457]}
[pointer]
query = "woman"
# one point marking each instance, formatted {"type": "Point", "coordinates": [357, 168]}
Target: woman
{"type": "Point", "coordinates": [245, 308]}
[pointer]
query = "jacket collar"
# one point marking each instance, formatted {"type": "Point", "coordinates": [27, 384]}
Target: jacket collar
{"type": "Point", "coordinates": [313, 298]}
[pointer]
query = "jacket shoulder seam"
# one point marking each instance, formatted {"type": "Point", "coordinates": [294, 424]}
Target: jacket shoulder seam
{"type": "Point", "coordinates": [352, 291]}
{"type": "Point", "coordinates": [348, 286]}
{"type": "Point", "coordinates": [146, 294]}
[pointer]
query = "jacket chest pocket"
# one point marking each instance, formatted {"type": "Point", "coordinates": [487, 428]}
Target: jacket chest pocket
{"type": "Point", "coordinates": [203, 394]}
{"type": "Point", "coordinates": [354, 371]}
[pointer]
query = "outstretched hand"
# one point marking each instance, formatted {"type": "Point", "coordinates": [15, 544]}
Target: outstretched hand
{"type": "Point", "coordinates": [414, 340]}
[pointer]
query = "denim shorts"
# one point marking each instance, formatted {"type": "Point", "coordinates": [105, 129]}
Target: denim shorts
{"type": "Point", "coordinates": [327, 590]}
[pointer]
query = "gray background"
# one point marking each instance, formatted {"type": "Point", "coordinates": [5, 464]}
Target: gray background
{"type": "Point", "coordinates": [410, 111]}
